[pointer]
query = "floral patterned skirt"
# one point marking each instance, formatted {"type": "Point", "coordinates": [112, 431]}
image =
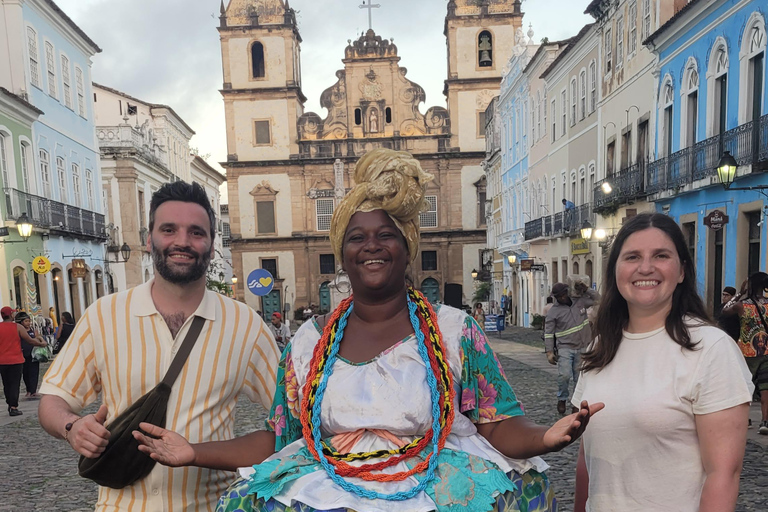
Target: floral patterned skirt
{"type": "Point", "coordinates": [533, 493]}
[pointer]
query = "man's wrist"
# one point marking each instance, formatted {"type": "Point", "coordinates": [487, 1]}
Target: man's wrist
{"type": "Point", "coordinates": [69, 425]}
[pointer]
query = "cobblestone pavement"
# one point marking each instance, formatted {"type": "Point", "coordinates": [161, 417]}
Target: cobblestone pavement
{"type": "Point", "coordinates": [39, 472]}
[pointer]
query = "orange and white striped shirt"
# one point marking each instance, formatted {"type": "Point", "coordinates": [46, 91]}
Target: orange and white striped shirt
{"type": "Point", "coordinates": [122, 348]}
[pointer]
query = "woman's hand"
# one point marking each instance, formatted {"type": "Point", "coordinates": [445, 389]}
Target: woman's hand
{"type": "Point", "coordinates": [166, 447]}
{"type": "Point", "coordinates": [570, 428]}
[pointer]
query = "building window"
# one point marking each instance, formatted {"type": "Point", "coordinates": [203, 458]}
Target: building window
{"type": "Point", "coordinates": [25, 154]}
{"type": "Point", "coordinates": [265, 216]}
{"type": "Point", "coordinates": [689, 232]}
{"type": "Point", "coordinates": [646, 18]}
{"type": "Point", "coordinates": [608, 44]}
{"type": "Point", "coordinates": [89, 204]}
{"type": "Point", "coordinates": [667, 120]}
{"type": "Point", "coordinates": [61, 173]}
{"type": "Point", "coordinates": [226, 234]}
{"type": "Point", "coordinates": [721, 91]}
{"type": "Point", "coordinates": [540, 105]}
{"type": "Point", "coordinates": [564, 112]}
{"type": "Point", "coordinates": [428, 219]}
{"type": "Point", "coordinates": [481, 210]}
{"type": "Point", "coordinates": [34, 70]}
{"type": "Point", "coordinates": [583, 94]}
{"type": "Point", "coordinates": [692, 107]}
{"type": "Point", "coordinates": [388, 115]}
{"type": "Point", "coordinates": [753, 255]}
{"type": "Point", "coordinates": [481, 124]}
{"type": "Point", "coordinates": [428, 260]}
{"type": "Point", "coordinates": [574, 95]}
{"type": "Point", "coordinates": [5, 171]}
{"type": "Point", "coordinates": [553, 136]}
{"type": "Point", "coordinates": [544, 106]}
{"type": "Point", "coordinates": [80, 91]}
{"type": "Point", "coordinates": [592, 86]}
{"type": "Point", "coordinates": [263, 137]}
{"type": "Point", "coordinates": [67, 90]}
{"type": "Point", "coordinates": [324, 213]}
{"type": "Point", "coordinates": [257, 60]}
{"type": "Point", "coordinates": [485, 49]}
{"type": "Point", "coordinates": [270, 265]}
{"type": "Point", "coordinates": [327, 264]}
{"type": "Point", "coordinates": [610, 159]}
{"type": "Point", "coordinates": [45, 173]}
{"type": "Point", "coordinates": [755, 73]}
{"type": "Point", "coordinates": [632, 41]}
{"type": "Point", "coordinates": [619, 41]}
{"type": "Point", "coordinates": [358, 117]}
{"type": "Point", "coordinates": [76, 191]}
{"type": "Point", "coordinates": [50, 66]}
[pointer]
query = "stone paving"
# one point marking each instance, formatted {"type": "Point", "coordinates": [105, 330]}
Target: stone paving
{"type": "Point", "coordinates": [40, 473]}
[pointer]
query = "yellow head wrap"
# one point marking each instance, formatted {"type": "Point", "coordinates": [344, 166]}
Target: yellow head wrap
{"type": "Point", "coordinates": [387, 180]}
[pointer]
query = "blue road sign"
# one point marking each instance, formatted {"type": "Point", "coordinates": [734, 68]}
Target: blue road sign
{"type": "Point", "coordinates": [260, 282]}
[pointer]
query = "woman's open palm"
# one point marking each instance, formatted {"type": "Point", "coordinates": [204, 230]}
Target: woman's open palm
{"type": "Point", "coordinates": [569, 428]}
{"type": "Point", "coordinates": [165, 446]}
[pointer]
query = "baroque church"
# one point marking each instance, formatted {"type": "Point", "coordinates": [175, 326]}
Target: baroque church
{"type": "Point", "coordinates": [287, 169]}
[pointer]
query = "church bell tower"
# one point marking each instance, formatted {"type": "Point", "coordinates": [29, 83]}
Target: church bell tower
{"type": "Point", "coordinates": [480, 35]}
{"type": "Point", "coordinates": [261, 59]}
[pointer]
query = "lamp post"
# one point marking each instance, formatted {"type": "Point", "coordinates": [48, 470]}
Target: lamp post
{"type": "Point", "coordinates": [125, 252]}
{"type": "Point", "coordinates": [726, 172]}
{"type": "Point", "coordinates": [586, 230]}
{"type": "Point", "coordinates": [511, 259]}
{"type": "Point", "coordinates": [473, 273]}
{"type": "Point", "coordinates": [24, 226]}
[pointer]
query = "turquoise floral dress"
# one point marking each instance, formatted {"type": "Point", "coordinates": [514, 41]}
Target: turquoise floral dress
{"type": "Point", "coordinates": [389, 394]}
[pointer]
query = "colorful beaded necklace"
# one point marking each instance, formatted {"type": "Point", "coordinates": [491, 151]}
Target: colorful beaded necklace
{"type": "Point", "coordinates": [439, 380]}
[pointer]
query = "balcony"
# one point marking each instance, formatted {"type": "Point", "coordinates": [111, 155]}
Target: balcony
{"type": "Point", "coordinates": [626, 187]}
{"type": "Point", "coordinates": [748, 143]}
{"type": "Point", "coordinates": [56, 216]}
{"type": "Point", "coordinates": [560, 224]}
{"type": "Point", "coordinates": [123, 137]}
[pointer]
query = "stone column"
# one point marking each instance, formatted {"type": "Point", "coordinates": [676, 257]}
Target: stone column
{"type": "Point", "coordinates": [127, 179]}
{"type": "Point", "coordinates": [81, 297]}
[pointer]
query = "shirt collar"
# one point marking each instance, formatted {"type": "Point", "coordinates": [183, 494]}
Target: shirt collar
{"type": "Point", "coordinates": [143, 305]}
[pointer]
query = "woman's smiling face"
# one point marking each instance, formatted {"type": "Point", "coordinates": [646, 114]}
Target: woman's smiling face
{"type": "Point", "coordinates": [375, 255]}
{"type": "Point", "coordinates": [648, 271]}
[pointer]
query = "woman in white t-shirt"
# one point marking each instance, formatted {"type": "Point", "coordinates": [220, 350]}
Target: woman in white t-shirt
{"type": "Point", "coordinates": [676, 389]}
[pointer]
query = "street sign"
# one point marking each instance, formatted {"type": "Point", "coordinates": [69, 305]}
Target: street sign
{"type": "Point", "coordinates": [538, 267]}
{"type": "Point", "coordinates": [4, 232]}
{"type": "Point", "coordinates": [716, 220]}
{"type": "Point", "coordinates": [260, 282]}
{"type": "Point", "coordinates": [41, 265]}
{"type": "Point", "coordinates": [78, 268]}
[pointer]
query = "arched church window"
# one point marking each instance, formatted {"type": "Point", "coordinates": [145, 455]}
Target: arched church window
{"type": "Point", "coordinates": [358, 117]}
{"type": "Point", "coordinates": [388, 115]}
{"type": "Point", "coordinates": [485, 49]}
{"type": "Point", "coordinates": [257, 60]}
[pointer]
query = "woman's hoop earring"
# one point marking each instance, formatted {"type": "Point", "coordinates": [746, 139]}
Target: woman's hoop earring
{"type": "Point", "coordinates": [342, 281]}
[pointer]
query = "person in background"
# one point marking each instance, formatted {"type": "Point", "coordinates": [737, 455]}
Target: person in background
{"type": "Point", "coordinates": [676, 389]}
{"type": "Point", "coordinates": [548, 306]}
{"type": "Point", "coordinates": [52, 316]}
{"type": "Point", "coordinates": [753, 337]}
{"type": "Point", "coordinates": [570, 210]}
{"type": "Point", "coordinates": [12, 359]}
{"type": "Point", "coordinates": [566, 334]}
{"type": "Point", "coordinates": [280, 330]}
{"type": "Point", "coordinates": [30, 371]}
{"type": "Point", "coordinates": [479, 315]}
{"type": "Point", "coordinates": [64, 331]}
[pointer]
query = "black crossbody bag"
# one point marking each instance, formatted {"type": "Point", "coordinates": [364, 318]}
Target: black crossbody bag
{"type": "Point", "coordinates": [122, 464]}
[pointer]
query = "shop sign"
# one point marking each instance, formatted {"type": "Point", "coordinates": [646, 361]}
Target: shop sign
{"type": "Point", "coordinates": [526, 264]}
{"type": "Point", "coordinates": [538, 267]}
{"type": "Point", "coordinates": [79, 270]}
{"type": "Point", "coordinates": [41, 265]}
{"type": "Point", "coordinates": [579, 246]}
{"type": "Point", "coordinates": [716, 220]}
{"type": "Point", "coordinates": [4, 232]}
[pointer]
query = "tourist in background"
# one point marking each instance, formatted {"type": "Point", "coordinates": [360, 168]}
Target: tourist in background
{"type": "Point", "coordinates": [280, 330]}
{"type": "Point", "coordinates": [31, 369]}
{"type": "Point", "coordinates": [12, 358]}
{"type": "Point", "coordinates": [64, 331]}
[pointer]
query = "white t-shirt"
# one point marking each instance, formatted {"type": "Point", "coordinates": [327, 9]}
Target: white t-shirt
{"type": "Point", "coordinates": [642, 451]}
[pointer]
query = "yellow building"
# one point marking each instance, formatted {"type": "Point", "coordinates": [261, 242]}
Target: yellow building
{"type": "Point", "coordinates": [287, 169]}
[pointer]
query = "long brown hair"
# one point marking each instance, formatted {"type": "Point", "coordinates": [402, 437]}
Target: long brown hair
{"type": "Point", "coordinates": [613, 314]}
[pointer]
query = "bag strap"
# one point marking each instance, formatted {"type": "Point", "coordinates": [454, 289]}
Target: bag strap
{"type": "Point", "coordinates": [186, 347]}
{"type": "Point", "coordinates": [757, 307]}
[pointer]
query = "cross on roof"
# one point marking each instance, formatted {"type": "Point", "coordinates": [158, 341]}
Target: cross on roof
{"type": "Point", "coordinates": [370, 7]}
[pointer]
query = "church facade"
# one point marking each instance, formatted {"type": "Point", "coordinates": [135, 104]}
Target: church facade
{"type": "Point", "coordinates": [287, 169]}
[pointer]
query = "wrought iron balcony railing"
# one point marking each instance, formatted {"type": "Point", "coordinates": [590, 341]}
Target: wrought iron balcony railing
{"type": "Point", "coordinates": [56, 216]}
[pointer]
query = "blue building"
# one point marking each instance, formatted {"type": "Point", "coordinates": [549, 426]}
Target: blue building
{"type": "Point", "coordinates": [46, 60]}
{"type": "Point", "coordinates": [711, 97]}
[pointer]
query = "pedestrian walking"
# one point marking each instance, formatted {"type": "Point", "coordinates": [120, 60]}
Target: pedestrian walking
{"type": "Point", "coordinates": [64, 331]}
{"type": "Point", "coordinates": [479, 315]}
{"type": "Point", "coordinates": [566, 334]}
{"type": "Point", "coordinates": [676, 389]}
{"type": "Point", "coordinates": [12, 358]}
{"type": "Point", "coordinates": [30, 371]}
{"type": "Point", "coordinates": [280, 330]}
{"type": "Point", "coordinates": [123, 346]}
{"type": "Point", "coordinates": [753, 337]}
{"type": "Point", "coordinates": [395, 377]}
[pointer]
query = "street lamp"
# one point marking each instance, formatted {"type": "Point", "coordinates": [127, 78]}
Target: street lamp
{"type": "Point", "coordinates": [511, 259]}
{"type": "Point", "coordinates": [221, 277]}
{"type": "Point", "coordinates": [473, 273]}
{"type": "Point", "coordinates": [24, 226]}
{"type": "Point", "coordinates": [586, 230]}
{"type": "Point", "coordinates": [726, 169]}
{"type": "Point", "coordinates": [234, 279]}
{"type": "Point", "coordinates": [606, 188]}
{"type": "Point", "coordinates": [125, 251]}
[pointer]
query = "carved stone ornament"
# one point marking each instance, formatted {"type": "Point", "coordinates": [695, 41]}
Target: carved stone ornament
{"type": "Point", "coordinates": [270, 12]}
{"type": "Point", "coordinates": [371, 89]}
{"type": "Point", "coordinates": [264, 189]}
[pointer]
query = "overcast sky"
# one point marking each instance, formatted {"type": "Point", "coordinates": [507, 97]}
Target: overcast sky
{"type": "Point", "coordinates": [167, 51]}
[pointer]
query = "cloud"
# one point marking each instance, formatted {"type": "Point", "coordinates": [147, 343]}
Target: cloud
{"type": "Point", "coordinates": [168, 51]}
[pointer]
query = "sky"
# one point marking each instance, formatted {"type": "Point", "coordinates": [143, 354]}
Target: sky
{"type": "Point", "coordinates": [168, 52]}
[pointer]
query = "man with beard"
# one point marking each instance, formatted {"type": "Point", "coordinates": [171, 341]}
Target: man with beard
{"type": "Point", "coordinates": [125, 342]}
